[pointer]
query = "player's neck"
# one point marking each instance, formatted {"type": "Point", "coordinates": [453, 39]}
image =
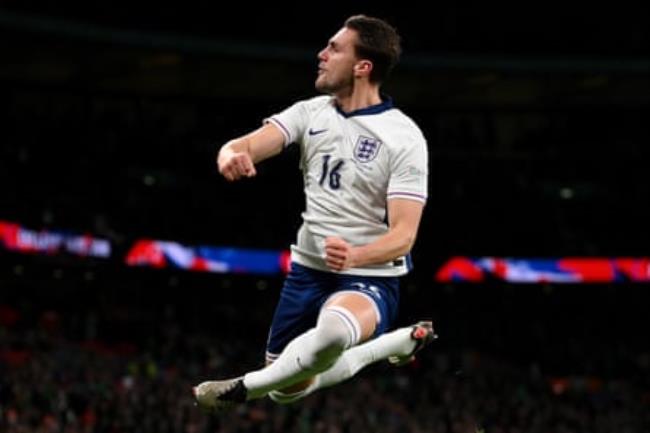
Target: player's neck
{"type": "Point", "coordinates": [360, 97]}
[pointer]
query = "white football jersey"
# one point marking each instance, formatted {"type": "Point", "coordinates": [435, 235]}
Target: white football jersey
{"type": "Point", "coordinates": [352, 164]}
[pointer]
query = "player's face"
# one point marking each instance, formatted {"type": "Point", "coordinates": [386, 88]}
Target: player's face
{"type": "Point", "coordinates": [336, 63]}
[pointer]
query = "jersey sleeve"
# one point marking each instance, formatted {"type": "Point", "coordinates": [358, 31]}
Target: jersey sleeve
{"type": "Point", "coordinates": [292, 122]}
{"type": "Point", "coordinates": [409, 172]}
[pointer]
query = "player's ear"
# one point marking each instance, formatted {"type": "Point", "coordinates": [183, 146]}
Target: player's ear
{"type": "Point", "coordinates": [363, 68]}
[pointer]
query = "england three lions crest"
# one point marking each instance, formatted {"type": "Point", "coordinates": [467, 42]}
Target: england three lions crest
{"type": "Point", "coordinates": [366, 148]}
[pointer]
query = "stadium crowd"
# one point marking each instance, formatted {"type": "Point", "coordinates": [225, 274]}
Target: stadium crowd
{"type": "Point", "coordinates": [99, 371]}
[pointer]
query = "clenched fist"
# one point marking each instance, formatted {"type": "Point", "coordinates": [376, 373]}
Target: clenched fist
{"type": "Point", "coordinates": [339, 255]}
{"type": "Point", "coordinates": [235, 165]}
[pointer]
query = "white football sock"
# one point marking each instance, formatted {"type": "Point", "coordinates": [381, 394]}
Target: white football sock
{"type": "Point", "coordinates": [308, 354]}
{"type": "Point", "coordinates": [396, 343]}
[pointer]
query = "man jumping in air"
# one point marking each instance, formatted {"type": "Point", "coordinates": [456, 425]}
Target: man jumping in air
{"type": "Point", "coordinates": [365, 169]}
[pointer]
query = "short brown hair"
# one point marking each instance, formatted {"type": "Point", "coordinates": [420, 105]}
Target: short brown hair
{"type": "Point", "coordinates": [378, 42]}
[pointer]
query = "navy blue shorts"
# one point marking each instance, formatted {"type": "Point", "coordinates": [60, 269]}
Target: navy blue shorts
{"type": "Point", "coordinates": [305, 291]}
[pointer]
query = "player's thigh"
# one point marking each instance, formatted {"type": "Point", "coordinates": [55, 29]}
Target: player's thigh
{"type": "Point", "coordinates": [374, 300]}
{"type": "Point", "coordinates": [300, 300]}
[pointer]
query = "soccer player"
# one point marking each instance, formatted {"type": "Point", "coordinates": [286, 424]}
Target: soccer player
{"type": "Point", "coordinates": [365, 170]}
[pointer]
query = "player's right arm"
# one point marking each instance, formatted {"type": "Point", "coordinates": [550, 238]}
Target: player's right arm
{"type": "Point", "coordinates": [238, 157]}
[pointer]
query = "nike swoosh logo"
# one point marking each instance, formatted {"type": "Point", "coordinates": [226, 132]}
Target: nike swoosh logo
{"type": "Point", "coordinates": [316, 131]}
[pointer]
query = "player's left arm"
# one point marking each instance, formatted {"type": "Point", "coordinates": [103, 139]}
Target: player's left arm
{"type": "Point", "coordinates": [404, 219]}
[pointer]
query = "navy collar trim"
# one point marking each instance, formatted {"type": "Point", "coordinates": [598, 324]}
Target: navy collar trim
{"type": "Point", "coordinates": [385, 104]}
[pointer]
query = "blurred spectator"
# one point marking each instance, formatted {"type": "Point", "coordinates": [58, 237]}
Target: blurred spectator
{"type": "Point", "coordinates": [54, 380]}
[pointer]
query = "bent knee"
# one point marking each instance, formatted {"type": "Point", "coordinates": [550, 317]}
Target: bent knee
{"type": "Point", "coordinates": [332, 335]}
{"type": "Point", "coordinates": [324, 358]}
{"type": "Point", "coordinates": [359, 309]}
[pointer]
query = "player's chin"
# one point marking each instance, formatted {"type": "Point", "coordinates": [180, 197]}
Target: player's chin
{"type": "Point", "coordinates": [322, 86]}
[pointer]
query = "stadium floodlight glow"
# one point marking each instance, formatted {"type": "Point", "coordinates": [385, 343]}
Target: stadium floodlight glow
{"type": "Point", "coordinates": [571, 270]}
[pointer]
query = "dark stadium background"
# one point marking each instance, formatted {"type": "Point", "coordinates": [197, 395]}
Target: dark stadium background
{"type": "Point", "coordinates": [112, 114]}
